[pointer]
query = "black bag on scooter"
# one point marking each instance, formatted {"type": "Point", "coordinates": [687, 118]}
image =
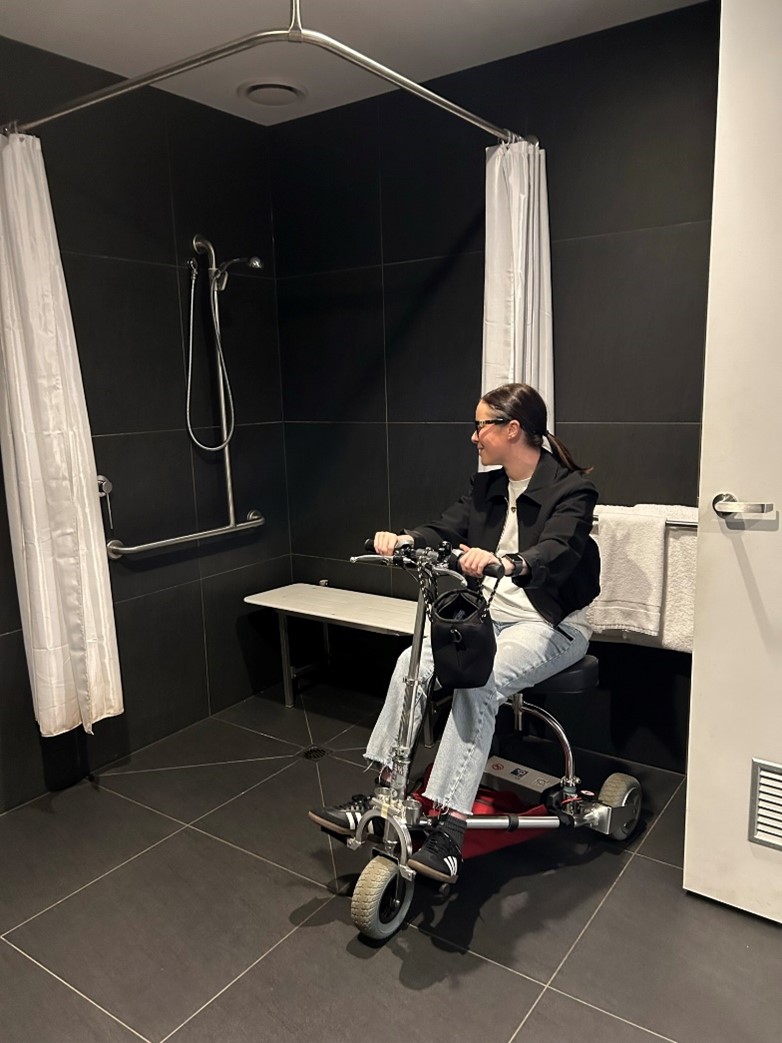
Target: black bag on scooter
{"type": "Point", "coordinates": [463, 641]}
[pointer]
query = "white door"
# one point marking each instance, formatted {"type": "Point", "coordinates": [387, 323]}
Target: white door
{"type": "Point", "coordinates": [737, 667]}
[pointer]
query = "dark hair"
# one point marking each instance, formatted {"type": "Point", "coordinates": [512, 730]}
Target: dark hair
{"type": "Point", "coordinates": [523, 403]}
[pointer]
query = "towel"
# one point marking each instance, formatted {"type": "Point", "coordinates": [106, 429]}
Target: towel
{"type": "Point", "coordinates": [632, 552]}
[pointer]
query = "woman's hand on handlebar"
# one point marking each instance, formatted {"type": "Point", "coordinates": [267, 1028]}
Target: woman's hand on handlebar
{"type": "Point", "coordinates": [474, 560]}
{"type": "Point", "coordinates": [387, 542]}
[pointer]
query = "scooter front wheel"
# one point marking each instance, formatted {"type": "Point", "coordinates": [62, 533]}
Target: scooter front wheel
{"type": "Point", "coordinates": [381, 899]}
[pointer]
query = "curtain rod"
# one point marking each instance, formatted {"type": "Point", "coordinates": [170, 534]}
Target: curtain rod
{"type": "Point", "coordinates": [293, 34]}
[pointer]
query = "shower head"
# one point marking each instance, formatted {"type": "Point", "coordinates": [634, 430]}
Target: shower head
{"type": "Point", "coordinates": [251, 262]}
{"type": "Point", "coordinates": [221, 274]}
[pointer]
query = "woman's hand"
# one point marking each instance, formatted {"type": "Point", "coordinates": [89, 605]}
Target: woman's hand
{"type": "Point", "coordinates": [474, 560]}
{"type": "Point", "coordinates": [387, 542]}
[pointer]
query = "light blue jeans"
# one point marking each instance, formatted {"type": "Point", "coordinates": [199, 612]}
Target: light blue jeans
{"type": "Point", "coordinates": [527, 652]}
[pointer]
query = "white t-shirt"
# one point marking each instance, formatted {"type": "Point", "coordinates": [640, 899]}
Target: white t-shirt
{"type": "Point", "coordinates": [511, 603]}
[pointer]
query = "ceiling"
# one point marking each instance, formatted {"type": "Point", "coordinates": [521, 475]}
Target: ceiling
{"type": "Point", "coordinates": [420, 39]}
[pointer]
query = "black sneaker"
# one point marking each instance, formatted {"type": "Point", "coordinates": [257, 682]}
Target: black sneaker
{"type": "Point", "coordinates": [439, 857]}
{"type": "Point", "coordinates": [343, 818]}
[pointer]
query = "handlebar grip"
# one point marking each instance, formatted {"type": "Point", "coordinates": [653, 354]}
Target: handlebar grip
{"type": "Point", "coordinates": [495, 571]}
{"type": "Point", "coordinates": [369, 545]}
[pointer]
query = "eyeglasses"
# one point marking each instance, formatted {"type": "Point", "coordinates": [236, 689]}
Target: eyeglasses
{"type": "Point", "coordinates": [495, 420]}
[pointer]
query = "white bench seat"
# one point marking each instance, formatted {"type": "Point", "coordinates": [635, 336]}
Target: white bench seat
{"type": "Point", "coordinates": [349, 608]}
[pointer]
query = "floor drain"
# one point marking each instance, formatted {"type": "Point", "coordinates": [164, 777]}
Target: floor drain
{"type": "Point", "coordinates": [313, 753]}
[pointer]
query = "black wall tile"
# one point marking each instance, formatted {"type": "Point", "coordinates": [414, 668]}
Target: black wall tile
{"type": "Point", "coordinates": [35, 81]}
{"type": "Point", "coordinates": [627, 118]}
{"type": "Point", "coordinates": [430, 466]}
{"type": "Point", "coordinates": [128, 334]}
{"type": "Point", "coordinates": [247, 310]}
{"type": "Point", "coordinates": [342, 574]}
{"type": "Point", "coordinates": [630, 325]}
{"type": "Point", "coordinates": [243, 649]}
{"type": "Point", "coordinates": [259, 483]}
{"type": "Point", "coordinates": [163, 664]}
{"type": "Point", "coordinates": [325, 190]}
{"type": "Point", "coordinates": [109, 179]}
{"type": "Point", "coordinates": [638, 463]}
{"type": "Point", "coordinates": [331, 333]}
{"type": "Point", "coordinates": [220, 181]}
{"type": "Point", "coordinates": [434, 335]}
{"type": "Point", "coordinates": [28, 763]}
{"type": "Point", "coordinates": [339, 489]}
{"type": "Point", "coordinates": [432, 168]}
{"type": "Point", "coordinates": [152, 499]}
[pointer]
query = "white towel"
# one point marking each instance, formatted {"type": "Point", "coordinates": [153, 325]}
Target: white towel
{"type": "Point", "coordinates": [632, 552]}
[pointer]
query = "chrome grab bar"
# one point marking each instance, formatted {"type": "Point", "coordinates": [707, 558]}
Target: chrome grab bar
{"type": "Point", "coordinates": [117, 549]}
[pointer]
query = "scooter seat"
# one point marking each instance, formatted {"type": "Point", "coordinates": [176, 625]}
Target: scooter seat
{"type": "Point", "coordinates": [576, 679]}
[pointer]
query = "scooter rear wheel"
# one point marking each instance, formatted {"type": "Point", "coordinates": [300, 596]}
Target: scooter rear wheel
{"type": "Point", "coordinates": [620, 791]}
{"type": "Point", "coordinates": [376, 910]}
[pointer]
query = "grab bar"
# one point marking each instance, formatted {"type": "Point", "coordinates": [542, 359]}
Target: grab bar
{"type": "Point", "coordinates": [117, 549]}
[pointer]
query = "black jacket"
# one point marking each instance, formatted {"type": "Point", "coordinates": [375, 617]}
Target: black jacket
{"type": "Point", "coordinates": [555, 518]}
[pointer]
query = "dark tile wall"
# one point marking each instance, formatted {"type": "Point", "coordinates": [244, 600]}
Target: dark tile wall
{"type": "Point", "coordinates": [378, 210]}
{"type": "Point", "coordinates": [131, 183]}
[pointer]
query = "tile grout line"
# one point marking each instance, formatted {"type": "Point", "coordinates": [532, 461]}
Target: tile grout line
{"type": "Point", "coordinates": [187, 767]}
{"type": "Point", "coordinates": [328, 838]}
{"type": "Point", "coordinates": [72, 988]}
{"type": "Point", "coordinates": [659, 861]}
{"type": "Point", "coordinates": [581, 934]}
{"type": "Point", "coordinates": [260, 858]}
{"type": "Point", "coordinates": [211, 836]}
{"type": "Point", "coordinates": [247, 969]}
{"type": "Point", "coordinates": [465, 950]}
{"type": "Point", "coordinates": [657, 818]}
{"type": "Point", "coordinates": [249, 789]}
{"type": "Point", "coordinates": [616, 1017]}
{"type": "Point", "coordinates": [101, 876]}
{"type": "Point", "coordinates": [254, 731]}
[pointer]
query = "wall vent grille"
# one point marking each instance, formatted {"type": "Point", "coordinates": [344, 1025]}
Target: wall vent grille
{"type": "Point", "coordinates": [765, 812]}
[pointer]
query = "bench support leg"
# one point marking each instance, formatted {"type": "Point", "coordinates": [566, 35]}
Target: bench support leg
{"type": "Point", "coordinates": [287, 669]}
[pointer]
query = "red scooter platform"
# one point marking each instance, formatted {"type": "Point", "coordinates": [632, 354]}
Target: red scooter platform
{"type": "Point", "coordinates": [491, 802]}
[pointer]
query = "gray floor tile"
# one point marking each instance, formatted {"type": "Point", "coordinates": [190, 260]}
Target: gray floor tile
{"type": "Point", "coordinates": [666, 839]}
{"type": "Point", "coordinates": [324, 983]}
{"type": "Point", "coordinates": [189, 793]}
{"type": "Point", "coordinates": [159, 937]}
{"type": "Point", "coordinates": [322, 715]}
{"type": "Point", "coordinates": [559, 1019]}
{"type": "Point", "coordinates": [36, 1008]}
{"type": "Point", "coordinates": [210, 741]}
{"type": "Point", "coordinates": [61, 841]}
{"type": "Point", "coordinates": [268, 715]}
{"type": "Point", "coordinates": [679, 965]}
{"type": "Point", "coordinates": [524, 906]}
{"type": "Point", "coordinates": [271, 820]}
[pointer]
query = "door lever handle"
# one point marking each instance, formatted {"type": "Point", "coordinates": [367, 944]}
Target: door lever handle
{"type": "Point", "coordinates": [726, 505]}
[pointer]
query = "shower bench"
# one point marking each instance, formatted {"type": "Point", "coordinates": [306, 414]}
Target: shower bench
{"type": "Point", "coordinates": [347, 608]}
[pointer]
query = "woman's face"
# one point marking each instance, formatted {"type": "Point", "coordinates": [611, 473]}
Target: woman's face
{"type": "Point", "coordinates": [491, 439]}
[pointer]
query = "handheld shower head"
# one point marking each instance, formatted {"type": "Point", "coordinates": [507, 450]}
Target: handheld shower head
{"type": "Point", "coordinates": [221, 274]}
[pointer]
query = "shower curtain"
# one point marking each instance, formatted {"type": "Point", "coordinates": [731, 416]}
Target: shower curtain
{"type": "Point", "coordinates": [518, 342]}
{"type": "Point", "coordinates": [49, 470]}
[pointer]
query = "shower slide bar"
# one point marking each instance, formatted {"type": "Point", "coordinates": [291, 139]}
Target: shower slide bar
{"type": "Point", "coordinates": [295, 33]}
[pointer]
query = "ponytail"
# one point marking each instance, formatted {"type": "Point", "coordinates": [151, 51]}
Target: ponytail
{"type": "Point", "coordinates": [562, 453]}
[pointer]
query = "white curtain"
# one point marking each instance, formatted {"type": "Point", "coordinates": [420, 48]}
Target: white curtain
{"type": "Point", "coordinates": [518, 342]}
{"type": "Point", "coordinates": [48, 463]}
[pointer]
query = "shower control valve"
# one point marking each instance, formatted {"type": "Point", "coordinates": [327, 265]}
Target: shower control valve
{"type": "Point", "coordinates": [105, 486]}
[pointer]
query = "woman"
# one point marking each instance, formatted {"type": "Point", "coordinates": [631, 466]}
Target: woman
{"type": "Point", "coordinates": [534, 515]}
